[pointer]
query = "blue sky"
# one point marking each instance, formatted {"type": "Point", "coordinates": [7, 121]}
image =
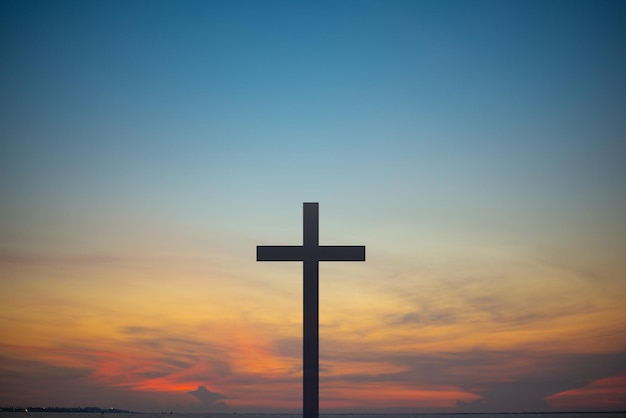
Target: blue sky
{"type": "Point", "coordinates": [166, 96]}
{"type": "Point", "coordinates": [454, 139]}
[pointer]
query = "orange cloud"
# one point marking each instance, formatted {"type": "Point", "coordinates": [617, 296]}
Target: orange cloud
{"type": "Point", "coordinates": [164, 327]}
{"type": "Point", "coordinates": [391, 395]}
{"type": "Point", "coordinates": [608, 392]}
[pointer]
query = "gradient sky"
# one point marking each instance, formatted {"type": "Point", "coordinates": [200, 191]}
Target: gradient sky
{"type": "Point", "coordinates": [477, 148]}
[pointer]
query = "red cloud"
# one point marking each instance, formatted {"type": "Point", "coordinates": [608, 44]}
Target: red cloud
{"type": "Point", "coordinates": [605, 393]}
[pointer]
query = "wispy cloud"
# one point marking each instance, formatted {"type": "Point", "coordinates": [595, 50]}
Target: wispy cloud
{"type": "Point", "coordinates": [607, 393]}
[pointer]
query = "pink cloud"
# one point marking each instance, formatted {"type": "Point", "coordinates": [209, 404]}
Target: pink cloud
{"type": "Point", "coordinates": [605, 393]}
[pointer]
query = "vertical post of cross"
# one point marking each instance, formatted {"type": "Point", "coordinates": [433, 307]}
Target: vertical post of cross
{"type": "Point", "coordinates": [310, 355]}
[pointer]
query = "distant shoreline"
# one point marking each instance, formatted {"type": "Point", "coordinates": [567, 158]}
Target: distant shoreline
{"type": "Point", "coordinates": [96, 410]}
{"type": "Point", "coordinates": [88, 409]}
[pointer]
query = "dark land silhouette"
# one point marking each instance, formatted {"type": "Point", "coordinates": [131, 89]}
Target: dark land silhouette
{"type": "Point", "coordinates": [87, 409]}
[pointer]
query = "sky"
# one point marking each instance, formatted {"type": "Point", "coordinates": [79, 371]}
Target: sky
{"type": "Point", "coordinates": [476, 148]}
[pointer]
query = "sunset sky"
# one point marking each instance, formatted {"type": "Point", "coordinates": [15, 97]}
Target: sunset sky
{"type": "Point", "coordinates": [476, 148]}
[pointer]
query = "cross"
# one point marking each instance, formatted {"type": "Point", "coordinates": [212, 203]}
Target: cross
{"type": "Point", "coordinates": [310, 253]}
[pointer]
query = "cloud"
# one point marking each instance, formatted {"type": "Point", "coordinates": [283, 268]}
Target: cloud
{"type": "Point", "coordinates": [139, 330]}
{"type": "Point", "coordinates": [428, 317]}
{"type": "Point", "coordinates": [288, 347]}
{"type": "Point", "coordinates": [13, 369]}
{"type": "Point", "coordinates": [505, 380]}
{"type": "Point", "coordinates": [607, 393]}
{"type": "Point", "coordinates": [211, 401]}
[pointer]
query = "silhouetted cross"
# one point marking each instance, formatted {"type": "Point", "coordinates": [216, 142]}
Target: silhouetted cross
{"type": "Point", "coordinates": [310, 253]}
